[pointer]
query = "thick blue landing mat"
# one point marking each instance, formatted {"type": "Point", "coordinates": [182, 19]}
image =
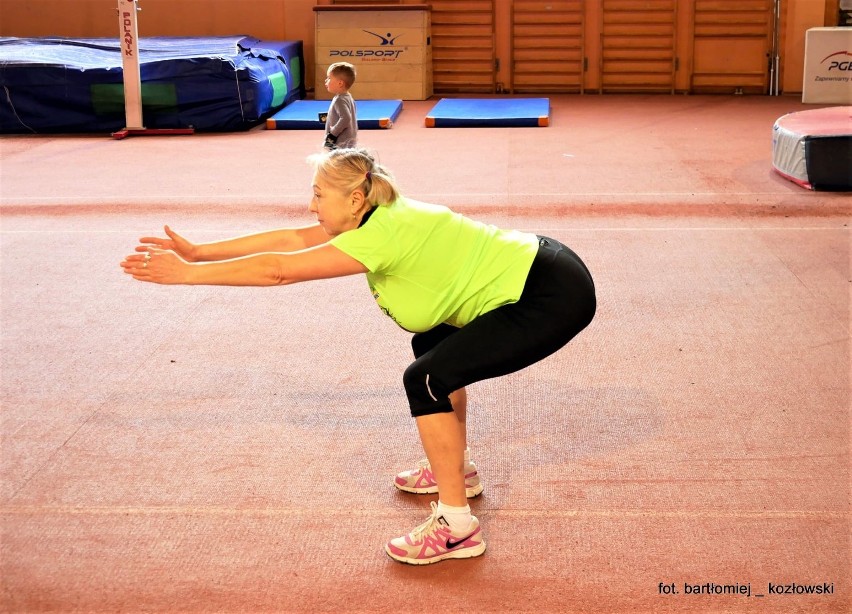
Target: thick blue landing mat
{"type": "Point", "coordinates": [56, 85]}
{"type": "Point", "coordinates": [482, 112]}
{"type": "Point", "coordinates": [305, 114]}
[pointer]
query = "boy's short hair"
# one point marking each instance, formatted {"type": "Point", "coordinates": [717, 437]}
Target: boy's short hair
{"type": "Point", "coordinates": [343, 71]}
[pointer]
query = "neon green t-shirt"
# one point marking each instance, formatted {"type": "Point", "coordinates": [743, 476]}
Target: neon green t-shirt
{"type": "Point", "coordinates": [428, 265]}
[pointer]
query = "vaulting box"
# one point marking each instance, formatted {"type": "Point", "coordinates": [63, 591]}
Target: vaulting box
{"type": "Point", "coordinates": [389, 45]}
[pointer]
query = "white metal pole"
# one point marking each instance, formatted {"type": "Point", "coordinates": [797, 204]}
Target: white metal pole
{"type": "Point", "coordinates": [129, 39]}
{"type": "Point", "coordinates": [771, 91]}
{"type": "Point", "coordinates": [776, 51]}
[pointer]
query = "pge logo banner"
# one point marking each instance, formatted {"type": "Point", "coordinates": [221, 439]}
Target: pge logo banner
{"type": "Point", "coordinates": [828, 66]}
{"type": "Point", "coordinates": [377, 47]}
{"type": "Point", "coordinates": [837, 64]}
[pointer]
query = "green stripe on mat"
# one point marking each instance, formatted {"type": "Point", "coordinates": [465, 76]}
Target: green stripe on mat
{"type": "Point", "coordinates": [108, 98]}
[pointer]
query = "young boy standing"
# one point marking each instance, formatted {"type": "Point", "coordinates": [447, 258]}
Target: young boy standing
{"type": "Point", "coordinates": [341, 124]}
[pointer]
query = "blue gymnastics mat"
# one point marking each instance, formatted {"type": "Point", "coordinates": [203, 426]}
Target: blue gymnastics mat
{"type": "Point", "coordinates": [483, 112]}
{"type": "Point", "coordinates": [306, 114]}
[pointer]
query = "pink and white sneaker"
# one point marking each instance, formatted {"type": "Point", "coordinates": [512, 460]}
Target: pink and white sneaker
{"type": "Point", "coordinates": [421, 481]}
{"type": "Point", "coordinates": [434, 541]}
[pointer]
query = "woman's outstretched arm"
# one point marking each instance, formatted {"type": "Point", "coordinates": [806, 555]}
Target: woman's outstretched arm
{"type": "Point", "coordinates": [278, 240]}
{"type": "Point", "coordinates": [265, 269]}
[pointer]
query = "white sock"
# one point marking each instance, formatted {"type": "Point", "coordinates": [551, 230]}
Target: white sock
{"type": "Point", "coordinates": [458, 518]}
{"type": "Point", "coordinates": [467, 455]}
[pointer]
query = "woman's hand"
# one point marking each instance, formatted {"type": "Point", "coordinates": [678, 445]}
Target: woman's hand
{"type": "Point", "coordinates": [157, 266]}
{"type": "Point", "coordinates": [176, 243]}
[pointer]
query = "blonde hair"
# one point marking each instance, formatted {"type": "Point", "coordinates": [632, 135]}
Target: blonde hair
{"type": "Point", "coordinates": [343, 71]}
{"type": "Point", "coordinates": [352, 169]}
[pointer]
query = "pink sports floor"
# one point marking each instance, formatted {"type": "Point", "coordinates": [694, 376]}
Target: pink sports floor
{"type": "Point", "coordinates": [201, 449]}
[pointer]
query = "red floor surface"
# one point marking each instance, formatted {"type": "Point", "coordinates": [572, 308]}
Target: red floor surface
{"type": "Point", "coordinates": [198, 449]}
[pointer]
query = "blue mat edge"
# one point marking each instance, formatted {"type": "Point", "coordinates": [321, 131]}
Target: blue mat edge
{"type": "Point", "coordinates": [515, 122]}
{"type": "Point", "coordinates": [436, 121]}
{"type": "Point", "coordinates": [278, 123]}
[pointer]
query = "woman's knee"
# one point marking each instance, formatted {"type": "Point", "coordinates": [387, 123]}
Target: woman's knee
{"type": "Point", "coordinates": [413, 377]}
{"type": "Point", "coordinates": [424, 395]}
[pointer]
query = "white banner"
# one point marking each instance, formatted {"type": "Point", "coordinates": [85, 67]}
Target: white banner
{"type": "Point", "coordinates": [828, 66]}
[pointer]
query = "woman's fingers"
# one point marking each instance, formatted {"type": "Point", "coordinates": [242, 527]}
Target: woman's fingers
{"type": "Point", "coordinates": [174, 242]}
{"type": "Point", "coordinates": [147, 242]}
{"type": "Point", "coordinates": [154, 265]}
{"type": "Point", "coordinates": [136, 260]}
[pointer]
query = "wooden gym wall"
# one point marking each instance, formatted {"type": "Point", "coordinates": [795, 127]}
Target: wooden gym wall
{"type": "Point", "coordinates": [525, 46]}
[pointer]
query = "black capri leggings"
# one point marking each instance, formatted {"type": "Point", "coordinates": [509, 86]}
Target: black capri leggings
{"type": "Point", "coordinates": [558, 301]}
